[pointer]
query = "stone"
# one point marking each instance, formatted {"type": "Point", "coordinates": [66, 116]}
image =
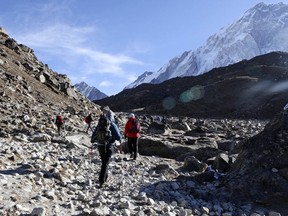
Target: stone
{"type": "Point", "coordinates": [39, 211]}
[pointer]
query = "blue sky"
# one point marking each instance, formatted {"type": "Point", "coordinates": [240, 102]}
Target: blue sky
{"type": "Point", "coordinates": [109, 43]}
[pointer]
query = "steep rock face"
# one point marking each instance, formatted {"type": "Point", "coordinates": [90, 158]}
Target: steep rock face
{"type": "Point", "coordinates": [255, 88]}
{"type": "Point", "coordinates": [261, 167]}
{"type": "Point", "coordinates": [262, 29]}
{"type": "Point", "coordinates": [91, 93]}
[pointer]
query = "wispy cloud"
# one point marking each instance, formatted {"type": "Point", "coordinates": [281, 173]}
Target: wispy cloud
{"type": "Point", "coordinates": [138, 47]}
{"type": "Point", "coordinates": [105, 84]}
{"type": "Point", "coordinates": [105, 62]}
{"type": "Point", "coordinates": [72, 44]}
{"type": "Point", "coordinates": [56, 36]}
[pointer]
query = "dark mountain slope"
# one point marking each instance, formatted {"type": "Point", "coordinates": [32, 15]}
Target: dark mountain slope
{"type": "Point", "coordinates": [255, 88]}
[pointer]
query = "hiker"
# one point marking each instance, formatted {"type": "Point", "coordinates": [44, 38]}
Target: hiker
{"type": "Point", "coordinates": [109, 113]}
{"type": "Point", "coordinates": [163, 120]}
{"type": "Point", "coordinates": [132, 132]}
{"type": "Point", "coordinates": [105, 134]}
{"type": "Point", "coordinates": [88, 119]}
{"type": "Point", "coordinates": [59, 121]}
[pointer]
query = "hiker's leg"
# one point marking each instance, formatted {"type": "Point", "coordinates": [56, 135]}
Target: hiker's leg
{"type": "Point", "coordinates": [108, 156]}
{"type": "Point", "coordinates": [136, 147]}
{"type": "Point", "coordinates": [129, 142]}
{"type": "Point", "coordinates": [101, 150]}
{"type": "Point", "coordinates": [59, 129]}
{"type": "Point", "coordinates": [105, 159]}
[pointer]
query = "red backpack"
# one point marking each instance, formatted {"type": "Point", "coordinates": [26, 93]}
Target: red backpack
{"type": "Point", "coordinates": [88, 119]}
{"type": "Point", "coordinates": [135, 128]}
{"type": "Point", "coordinates": [59, 120]}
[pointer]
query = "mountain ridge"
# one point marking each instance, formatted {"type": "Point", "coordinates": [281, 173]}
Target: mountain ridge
{"type": "Point", "coordinates": [260, 30]}
{"type": "Point", "coordinates": [90, 92]}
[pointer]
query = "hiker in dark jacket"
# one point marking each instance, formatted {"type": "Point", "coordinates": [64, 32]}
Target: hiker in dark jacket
{"type": "Point", "coordinates": [132, 132]}
{"type": "Point", "coordinates": [106, 150]}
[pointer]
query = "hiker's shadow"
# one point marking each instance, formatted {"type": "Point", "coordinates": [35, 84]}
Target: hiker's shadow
{"type": "Point", "coordinates": [26, 169]}
{"type": "Point", "coordinates": [22, 170]}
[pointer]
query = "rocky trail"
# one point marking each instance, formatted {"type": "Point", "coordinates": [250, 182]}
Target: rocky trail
{"type": "Point", "coordinates": [44, 174]}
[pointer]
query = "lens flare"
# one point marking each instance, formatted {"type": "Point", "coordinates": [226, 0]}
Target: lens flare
{"type": "Point", "coordinates": [198, 92]}
{"type": "Point", "coordinates": [195, 93]}
{"type": "Point", "coordinates": [186, 96]}
{"type": "Point", "coordinates": [169, 103]}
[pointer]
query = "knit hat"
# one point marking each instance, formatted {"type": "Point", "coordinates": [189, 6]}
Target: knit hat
{"type": "Point", "coordinates": [131, 115]}
{"type": "Point", "coordinates": [105, 108]}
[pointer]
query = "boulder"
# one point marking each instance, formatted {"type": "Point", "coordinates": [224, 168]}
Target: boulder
{"type": "Point", "coordinates": [258, 173]}
{"type": "Point", "coordinates": [191, 163]}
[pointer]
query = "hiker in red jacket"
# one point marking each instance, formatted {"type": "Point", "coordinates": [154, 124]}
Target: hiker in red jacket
{"type": "Point", "coordinates": [132, 132]}
{"type": "Point", "coordinates": [59, 121]}
{"type": "Point", "coordinates": [88, 121]}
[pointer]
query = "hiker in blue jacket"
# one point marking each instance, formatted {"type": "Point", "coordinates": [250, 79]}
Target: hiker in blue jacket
{"type": "Point", "coordinates": [106, 148]}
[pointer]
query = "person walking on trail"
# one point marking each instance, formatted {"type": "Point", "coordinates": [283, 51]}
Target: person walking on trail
{"type": "Point", "coordinates": [105, 134]}
{"type": "Point", "coordinates": [59, 121]}
{"type": "Point", "coordinates": [132, 132]}
{"type": "Point", "coordinates": [88, 120]}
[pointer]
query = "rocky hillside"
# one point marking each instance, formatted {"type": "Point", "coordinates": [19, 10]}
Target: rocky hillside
{"type": "Point", "coordinates": [255, 88]}
{"type": "Point", "coordinates": [32, 94]}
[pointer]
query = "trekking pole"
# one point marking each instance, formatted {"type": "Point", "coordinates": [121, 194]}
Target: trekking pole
{"type": "Point", "coordinates": [124, 146]}
{"type": "Point", "coordinates": [90, 155]}
{"type": "Point", "coordinates": [91, 128]}
{"type": "Point", "coordinates": [63, 130]}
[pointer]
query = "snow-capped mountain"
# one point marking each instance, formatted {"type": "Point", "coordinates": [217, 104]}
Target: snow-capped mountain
{"type": "Point", "coordinates": [141, 79]}
{"type": "Point", "coordinates": [91, 93]}
{"type": "Point", "coordinates": [262, 29]}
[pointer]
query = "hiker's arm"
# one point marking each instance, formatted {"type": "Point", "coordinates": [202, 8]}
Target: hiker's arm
{"type": "Point", "coordinates": [117, 134]}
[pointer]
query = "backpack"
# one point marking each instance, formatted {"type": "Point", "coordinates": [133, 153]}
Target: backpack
{"type": "Point", "coordinates": [59, 120]}
{"type": "Point", "coordinates": [135, 128]}
{"type": "Point", "coordinates": [103, 133]}
{"type": "Point", "coordinates": [88, 119]}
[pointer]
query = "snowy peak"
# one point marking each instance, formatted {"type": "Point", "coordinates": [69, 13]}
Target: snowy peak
{"type": "Point", "coordinates": [91, 93]}
{"type": "Point", "coordinates": [262, 29]}
{"type": "Point", "coordinates": [139, 80]}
